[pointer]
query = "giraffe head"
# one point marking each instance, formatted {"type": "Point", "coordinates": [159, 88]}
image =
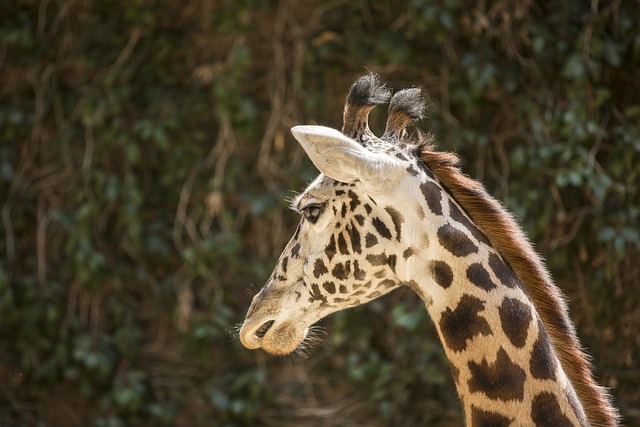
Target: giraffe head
{"type": "Point", "coordinates": [350, 245]}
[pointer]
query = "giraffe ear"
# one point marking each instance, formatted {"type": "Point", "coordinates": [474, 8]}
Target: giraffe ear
{"type": "Point", "coordinates": [343, 159]}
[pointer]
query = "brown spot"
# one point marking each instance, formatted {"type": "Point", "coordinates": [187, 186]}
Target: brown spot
{"type": "Point", "coordinates": [342, 244]}
{"type": "Point", "coordinates": [319, 268]}
{"type": "Point", "coordinates": [330, 250]}
{"type": "Point", "coordinates": [388, 283]}
{"type": "Point", "coordinates": [456, 241]}
{"type": "Point", "coordinates": [380, 259]}
{"type": "Point", "coordinates": [503, 271]}
{"type": "Point", "coordinates": [343, 289]}
{"type": "Point", "coordinates": [370, 240]}
{"type": "Point", "coordinates": [383, 259]}
{"type": "Point", "coordinates": [463, 323]}
{"type": "Point", "coordinates": [354, 236]}
{"type": "Point", "coordinates": [367, 208]}
{"type": "Point", "coordinates": [343, 210]}
{"type": "Point", "coordinates": [442, 273]}
{"type": "Point", "coordinates": [381, 228]}
{"type": "Point", "coordinates": [546, 411]}
{"type": "Point", "coordinates": [432, 194]}
{"type": "Point", "coordinates": [357, 273]}
{"type": "Point", "coordinates": [329, 287]}
{"type": "Point", "coordinates": [542, 363]}
{"type": "Point", "coordinates": [407, 253]}
{"type": "Point", "coordinates": [458, 216]}
{"type": "Point", "coordinates": [397, 219]}
{"type": "Point", "coordinates": [503, 380]}
{"type": "Point", "coordinates": [284, 263]}
{"type": "Point", "coordinates": [316, 295]}
{"type": "Point", "coordinates": [295, 250]}
{"type": "Point", "coordinates": [482, 418]}
{"type": "Point", "coordinates": [477, 275]}
{"type": "Point", "coordinates": [380, 274]}
{"type": "Point", "coordinates": [392, 260]}
{"type": "Point", "coordinates": [354, 200]}
{"type": "Point", "coordinates": [515, 317]}
{"type": "Point", "coordinates": [341, 271]}
{"type": "Point", "coordinates": [359, 219]}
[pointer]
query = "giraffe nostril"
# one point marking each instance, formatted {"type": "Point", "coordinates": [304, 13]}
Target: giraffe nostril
{"type": "Point", "coordinates": [262, 330]}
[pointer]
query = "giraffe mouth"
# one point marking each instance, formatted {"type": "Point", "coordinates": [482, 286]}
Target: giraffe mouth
{"type": "Point", "coordinates": [277, 338]}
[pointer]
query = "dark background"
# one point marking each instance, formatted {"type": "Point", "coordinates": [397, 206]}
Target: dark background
{"type": "Point", "coordinates": [145, 158]}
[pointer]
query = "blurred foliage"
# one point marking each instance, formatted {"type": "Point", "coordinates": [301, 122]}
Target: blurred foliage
{"type": "Point", "coordinates": [145, 157]}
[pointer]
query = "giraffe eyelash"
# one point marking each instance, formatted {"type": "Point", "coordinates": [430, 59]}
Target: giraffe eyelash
{"type": "Point", "coordinates": [292, 200]}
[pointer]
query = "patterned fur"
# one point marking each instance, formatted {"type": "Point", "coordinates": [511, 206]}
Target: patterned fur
{"type": "Point", "coordinates": [389, 212]}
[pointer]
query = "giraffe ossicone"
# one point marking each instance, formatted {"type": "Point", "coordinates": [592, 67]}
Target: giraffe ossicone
{"type": "Point", "coordinates": [391, 211]}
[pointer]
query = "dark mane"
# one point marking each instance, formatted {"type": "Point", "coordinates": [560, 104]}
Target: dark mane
{"type": "Point", "coordinates": [510, 241]}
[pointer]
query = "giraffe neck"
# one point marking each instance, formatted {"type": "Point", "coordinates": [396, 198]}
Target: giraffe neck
{"type": "Point", "coordinates": [502, 360]}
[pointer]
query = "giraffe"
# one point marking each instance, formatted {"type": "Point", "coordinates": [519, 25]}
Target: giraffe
{"type": "Point", "coordinates": [392, 211]}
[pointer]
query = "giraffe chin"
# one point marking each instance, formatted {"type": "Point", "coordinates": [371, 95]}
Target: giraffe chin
{"type": "Point", "coordinates": [283, 339]}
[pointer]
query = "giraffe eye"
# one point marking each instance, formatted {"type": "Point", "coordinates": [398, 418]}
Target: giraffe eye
{"type": "Point", "coordinates": [312, 212]}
